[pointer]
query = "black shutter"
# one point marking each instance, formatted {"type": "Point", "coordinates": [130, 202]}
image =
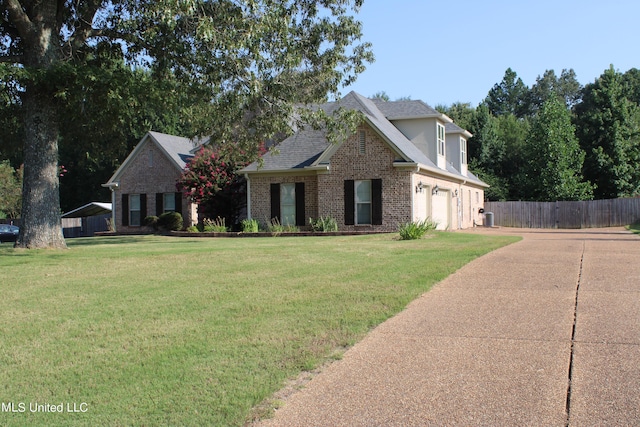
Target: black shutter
{"type": "Point", "coordinates": [275, 201]}
{"type": "Point", "coordinates": [376, 201]}
{"type": "Point", "coordinates": [349, 202]}
{"type": "Point", "coordinates": [178, 202]}
{"type": "Point", "coordinates": [159, 204]}
{"type": "Point", "coordinates": [300, 214]}
{"type": "Point", "coordinates": [143, 208]}
{"type": "Point", "coordinates": [125, 210]}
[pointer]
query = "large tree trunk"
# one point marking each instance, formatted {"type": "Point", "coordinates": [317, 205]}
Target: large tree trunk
{"type": "Point", "coordinates": [40, 225]}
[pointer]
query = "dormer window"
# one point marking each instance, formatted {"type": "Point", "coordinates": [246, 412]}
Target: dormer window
{"type": "Point", "coordinates": [441, 140]}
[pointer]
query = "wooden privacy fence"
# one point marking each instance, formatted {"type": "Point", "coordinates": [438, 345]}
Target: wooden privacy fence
{"type": "Point", "coordinates": [583, 214]}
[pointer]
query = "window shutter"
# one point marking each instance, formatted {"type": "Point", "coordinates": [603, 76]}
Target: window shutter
{"type": "Point", "coordinates": [376, 201]}
{"type": "Point", "coordinates": [275, 201]}
{"type": "Point", "coordinates": [143, 207]}
{"type": "Point", "coordinates": [349, 202]}
{"type": "Point", "coordinates": [125, 210]}
{"type": "Point", "coordinates": [178, 202]}
{"type": "Point", "coordinates": [300, 214]}
{"type": "Point", "coordinates": [159, 204]}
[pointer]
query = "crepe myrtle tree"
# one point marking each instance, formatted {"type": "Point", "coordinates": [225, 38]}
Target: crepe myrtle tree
{"type": "Point", "coordinates": [266, 57]}
{"type": "Point", "coordinates": [211, 181]}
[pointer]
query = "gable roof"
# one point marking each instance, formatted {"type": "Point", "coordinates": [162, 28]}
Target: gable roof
{"type": "Point", "coordinates": [309, 150]}
{"type": "Point", "coordinates": [177, 149]}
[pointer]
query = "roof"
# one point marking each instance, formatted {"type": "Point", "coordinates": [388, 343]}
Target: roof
{"type": "Point", "coordinates": [398, 110]}
{"type": "Point", "coordinates": [454, 128]}
{"type": "Point", "coordinates": [177, 148]}
{"type": "Point", "coordinates": [310, 148]}
{"type": "Point", "coordinates": [90, 209]}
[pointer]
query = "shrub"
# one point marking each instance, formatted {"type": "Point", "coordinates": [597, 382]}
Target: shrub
{"type": "Point", "coordinates": [417, 229]}
{"type": "Point", "coordinates": [151, 221]}
{"type": "Point", "coordinates": [323, 224]}
{"type": "Point", "coordinates": [171, 221]}
{"type": "Point", "coordinates": [214, 226]}
{"type": "Point", "coordinates": [250, 226]}
{"type": "Point", "coordinates": [193, 229]}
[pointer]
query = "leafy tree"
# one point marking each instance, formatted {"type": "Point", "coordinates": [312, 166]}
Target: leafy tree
{"type": "Point", "coordinates": [566, 87]}
{"type": "Point", "coordinates": [554, 167]}
{"type": "Point", "coordinates": [249, 63]}
{"type": "Point", "coordinates": [10, 190]}
{"type": "Point", "coordinates": [382, 96]}
{"type": "Point", "coordinates": [608, 127]}
{"type": "Point", "coordinates": [509, 96]}
{"type": "Point", "coordinates": [210, 179]}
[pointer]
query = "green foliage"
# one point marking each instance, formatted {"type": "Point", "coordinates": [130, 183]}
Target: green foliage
{"type": "Point", "coordinates": [150, 221]}
{"type": "Point", "coordinates": [10, 190]}
{"type": "Point", "coordinates": [250, 226]}
{"type": "Point", "coordinates": [193, 229]}
{"type": "Point", "coordinates": [608, 127]}
{"type": "Point", "coordinates": [509, 96]}
{"type": "Point", "coordinates": [214, 225]}
{"type": "Point", "coordinates": [323, 224]}
{"type": "Point", "coordinates": [554, 170]}
{"type": "Point", "coordinates": [170, 221]}
{"type": "Point", "coordinates": [416, 229]}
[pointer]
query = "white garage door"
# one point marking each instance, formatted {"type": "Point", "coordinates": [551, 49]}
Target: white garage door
{"type": "Point", "coordinates": [441, 209]}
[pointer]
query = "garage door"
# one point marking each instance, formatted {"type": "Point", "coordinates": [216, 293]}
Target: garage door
{"type": "Point", "coordinates": [441, 209]}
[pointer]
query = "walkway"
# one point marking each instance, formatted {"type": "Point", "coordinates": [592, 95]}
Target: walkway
{"type": "Point", "coordinates": [544, 332]}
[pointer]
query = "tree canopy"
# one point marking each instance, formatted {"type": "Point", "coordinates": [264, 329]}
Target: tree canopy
{"type": "Point", "coordinates": [233, 70]}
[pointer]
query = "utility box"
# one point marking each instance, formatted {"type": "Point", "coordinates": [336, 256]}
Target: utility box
{"type": "Point", "coordinates": [488, 219]}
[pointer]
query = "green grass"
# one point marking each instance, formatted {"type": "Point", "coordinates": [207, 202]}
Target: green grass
{"type": "Point", "coordinates": [634, 228]}
{"type": "Point", "coordinates": [190, 331]}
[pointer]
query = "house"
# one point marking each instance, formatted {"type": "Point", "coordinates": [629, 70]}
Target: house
{"type": "Point", "coordinates": [406, 162]}
{"type": "Point", "coordinates": [145, 183]}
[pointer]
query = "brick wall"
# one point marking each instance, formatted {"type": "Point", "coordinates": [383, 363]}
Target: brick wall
{"type": "Point", "coordinates": [150, 172]}
{"type": "Point", "coordinates": [261, 195]}
{"type": "Point", "coordinates": [375, 163]}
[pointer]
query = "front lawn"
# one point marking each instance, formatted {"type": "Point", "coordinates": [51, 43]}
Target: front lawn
{"type": "Point", "coordinates": [189, 331]}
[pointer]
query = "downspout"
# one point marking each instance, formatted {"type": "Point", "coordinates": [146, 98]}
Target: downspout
{"type": "Point", "coordinates": [246, 176]}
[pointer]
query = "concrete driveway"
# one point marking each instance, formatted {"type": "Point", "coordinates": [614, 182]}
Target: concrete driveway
{"type": "Point", "coordinates": [544, 332]}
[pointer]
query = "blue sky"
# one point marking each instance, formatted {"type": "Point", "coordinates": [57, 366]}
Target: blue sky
{"type": "Point", "coordinates": [456, 50]}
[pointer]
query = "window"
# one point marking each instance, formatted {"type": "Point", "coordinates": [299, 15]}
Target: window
{"type": "Point", "coordinates": [363, 202]}
{"type": "Point", "coordinates": [463, 151]}
{"type": "Point", "coordinates": [288, 204]}
{"type": "Point", "coordinates": [168, 202]}
{"type": "Point", "coordinates": [134, 210]}
{"type": "Point", "coordinates": [362, 142]}
{"type": "Point", "coordinates": [441, 140]}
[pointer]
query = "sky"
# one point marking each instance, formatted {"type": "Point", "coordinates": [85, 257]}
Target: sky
{"type": "Point", "coordinates": [442, 52]}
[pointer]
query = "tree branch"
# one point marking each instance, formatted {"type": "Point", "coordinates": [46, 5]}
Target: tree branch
{"type": "Point", "coordinates": [86, 12]}
{"type": "Point", "coordinates": [12, 59]}
{"type": "Point", "coordinates": [19, 17]}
